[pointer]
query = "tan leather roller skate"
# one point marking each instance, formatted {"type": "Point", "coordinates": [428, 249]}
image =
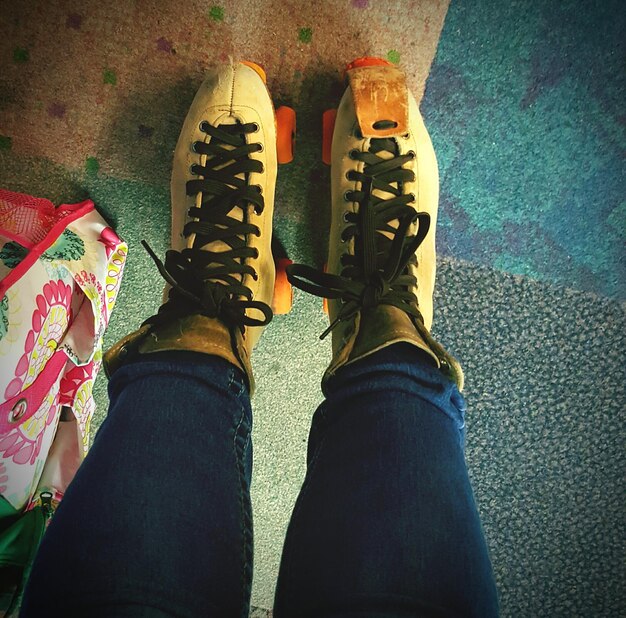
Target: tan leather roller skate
{"type": "Point", "coordinates": [220, 271]}
{"type": "Point", "coordinates": [380, 274]}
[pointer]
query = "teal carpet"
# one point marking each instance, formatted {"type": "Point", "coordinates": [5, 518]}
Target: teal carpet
{"type": "Point", "coordinates": [525, 104]}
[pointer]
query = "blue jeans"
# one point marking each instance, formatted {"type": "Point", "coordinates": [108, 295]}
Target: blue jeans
{"type": "Point", "coordinates": [158, 521]}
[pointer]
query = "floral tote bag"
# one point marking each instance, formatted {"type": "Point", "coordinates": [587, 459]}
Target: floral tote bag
{"type": "Point", "coordinates": [60, 272]}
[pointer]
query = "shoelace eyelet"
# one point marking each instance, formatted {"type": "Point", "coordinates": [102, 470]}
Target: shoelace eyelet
{"type": "Point", "coordinates": [256, 127]}
{"type": "Point", "coordinates": [353, 153]}
{"type": "Point", "coordinates": [204, 125]}
{"type": "Point", "coordinates": [345, 216]}
{"type": "Point", "coordinates": [347, 196]}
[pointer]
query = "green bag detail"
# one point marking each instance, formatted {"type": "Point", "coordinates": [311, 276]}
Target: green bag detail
{"type": "Point", "coordinates": [20, 535]}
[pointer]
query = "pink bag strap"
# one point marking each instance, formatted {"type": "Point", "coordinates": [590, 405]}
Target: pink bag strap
{"type": "Point", "coordinates": [37, 220]}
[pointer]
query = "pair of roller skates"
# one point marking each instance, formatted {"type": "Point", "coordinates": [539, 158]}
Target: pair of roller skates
{"type": "Point", "coordinates": [226, 277]}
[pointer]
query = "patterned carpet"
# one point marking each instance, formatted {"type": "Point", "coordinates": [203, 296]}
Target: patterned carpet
{"type": "Point", "coordinates": [525, 104]}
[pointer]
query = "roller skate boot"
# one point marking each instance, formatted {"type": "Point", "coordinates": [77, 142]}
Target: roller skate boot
{"type": "Point", "coordinates": [380, 275]}
{"type": "Point", "coordinates": [220, 271]}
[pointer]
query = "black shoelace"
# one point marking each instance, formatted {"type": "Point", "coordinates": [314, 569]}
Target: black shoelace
{"type": "Point", "coordinates": [378, 272]}
{"type": "Point", "coordinates": [210, 282]}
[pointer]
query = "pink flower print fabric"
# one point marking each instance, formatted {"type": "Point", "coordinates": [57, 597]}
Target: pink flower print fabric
{"type": "Point", "coordinates": [50, 320]}
{"type": "Point", "coordinates": [60, 273]}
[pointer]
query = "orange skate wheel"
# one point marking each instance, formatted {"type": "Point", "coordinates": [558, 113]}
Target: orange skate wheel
{"type": "Point", "coordinates": [367, 61]}
{"type": "Point", "coordinates": [285, 134]}
{"type": "Point", "coordinates": [283, 292]}
{"type": "Point", "coordinates": [259, 69]}
{"type": "Point", "coordinates": [328, 126]}
{"type": "Point", "coordinates": [325, 300]}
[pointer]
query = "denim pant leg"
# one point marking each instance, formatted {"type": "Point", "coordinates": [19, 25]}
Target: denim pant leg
{"type": "Point", "coordinates": [386, 523]}
{"type": "Point", "coordinates": [157, 522]}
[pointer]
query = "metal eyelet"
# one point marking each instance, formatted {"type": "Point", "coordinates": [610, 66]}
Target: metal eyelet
{"type": "Point", "coordinates": [346, 196]}
{"type": "Point", "coordinates": [256, 127]}
{"type": "Point", "coordinates": [406, 136]}
{"type": "Point", "coordinates": [260, 188]}
{"type": "Point", "coordinates": [18, 411]}
{"type": "Point", "coordinates": [347, 175]}
{"type": "Point", "coordinates": [193, 147]}
{"type": "Point", "coordinates": [412, 154]}
{"type": "Point", "coordinates": [262, 148]}
{"type": "Point", "coordinates": [345, 216]}
{"type": "Point", "coordinates": [203, 125]}
{"type": "Point", "coordinates": [412, 196]}
{"type": "Point", "coordinates": [353, 153]}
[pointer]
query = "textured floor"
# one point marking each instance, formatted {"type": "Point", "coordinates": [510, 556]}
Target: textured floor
{"type": "Point", "coordinates": [524, 102]}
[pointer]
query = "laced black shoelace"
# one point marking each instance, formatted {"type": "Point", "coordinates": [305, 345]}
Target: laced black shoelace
{"type": "Point", "coordinates": [378, 272]}
{"type": "Point", "coordinates": [209, 282]}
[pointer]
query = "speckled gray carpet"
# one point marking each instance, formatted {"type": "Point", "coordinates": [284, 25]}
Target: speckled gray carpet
{"type": "Point", "coordinates": [546, 390]}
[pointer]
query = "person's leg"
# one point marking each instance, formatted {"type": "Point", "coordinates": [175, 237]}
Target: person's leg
{"type": "Point", "coordinates": [386, 524]}
{"type": "Point", "coordinates": [157, 521]}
